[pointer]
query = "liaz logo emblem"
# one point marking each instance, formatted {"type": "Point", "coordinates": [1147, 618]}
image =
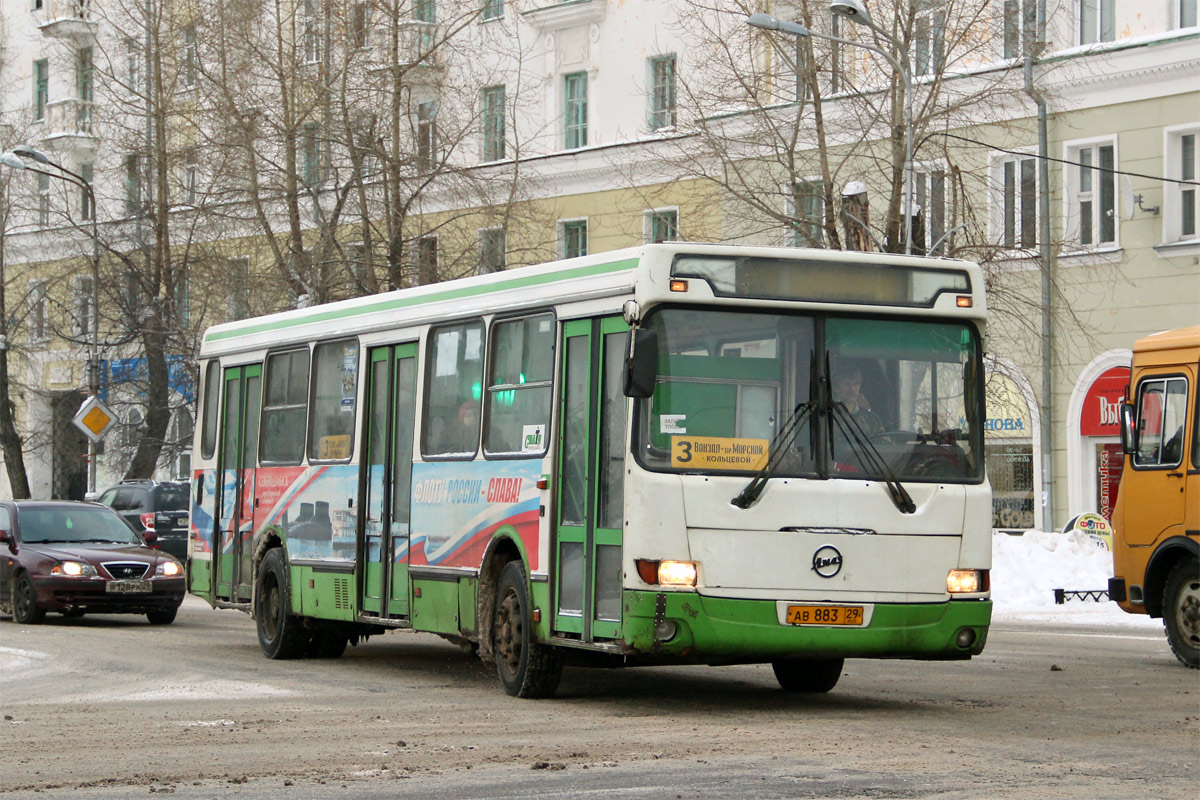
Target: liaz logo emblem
{"type": "Point", "coordinates": [827, 561]}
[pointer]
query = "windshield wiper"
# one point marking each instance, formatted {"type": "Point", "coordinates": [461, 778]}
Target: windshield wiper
{"type": "Point", "coordinates": [778, 448]}
{"type": "Point", "coordinates": [855, 435]}
{"type": "Point", "coordinates": [100, 541]}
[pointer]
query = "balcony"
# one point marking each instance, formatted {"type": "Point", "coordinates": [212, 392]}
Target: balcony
{"type": "Point", "coordinates": [73, 20]}
{"type": "Point", "coordinates": [68, 126]}
{"type": "Point", "coordinates": [418, 54]}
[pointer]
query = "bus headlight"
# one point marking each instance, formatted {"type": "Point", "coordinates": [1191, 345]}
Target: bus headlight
{"type": "Point", "coordinates": [667, 573]}
{"type": "Point", "coordinates": [967, 581]}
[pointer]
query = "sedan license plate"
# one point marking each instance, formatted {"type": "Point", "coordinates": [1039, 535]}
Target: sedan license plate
{"type": "Point", "coordinates": [128, 587]}
{"type": "Point", "coordinates": [825, 615]}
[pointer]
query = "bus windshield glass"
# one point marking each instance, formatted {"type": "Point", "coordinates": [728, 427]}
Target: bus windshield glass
{"type": "Point", "coordinates": [736, 390]}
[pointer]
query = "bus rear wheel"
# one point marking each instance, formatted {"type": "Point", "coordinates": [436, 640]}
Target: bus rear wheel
{"type": "Point", "coordinates": [808, 675]}
{"type": "Point", "coordinates": [280, 634]}
{"type": "Point", "coordinates": [526, 668]}
{"type": "Point", "coordinates": [1181, 612]}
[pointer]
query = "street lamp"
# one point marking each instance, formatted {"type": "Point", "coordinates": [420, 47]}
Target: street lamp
{"type": "Point", "coordinates": [15, 160]}
{"type": "Point", "coordinates": [856, 11]}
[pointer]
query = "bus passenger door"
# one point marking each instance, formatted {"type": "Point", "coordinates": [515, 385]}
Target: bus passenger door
{"type": "Point", "coordinates": [587, 557]}
{"type": "Point", "coordinates": [383, 544]}
{"type": "Point", "coordinates": [239, 451]}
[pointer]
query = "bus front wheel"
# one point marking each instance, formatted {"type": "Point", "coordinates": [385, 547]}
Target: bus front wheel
{"type": "Point", "coordinates": [808, 675]}
{"type": "Point", "coordinates": [280, 634]}
{"type": "Point", "coordinates": [526, 668]}
{"type": "Point", "coordinates": [1181, 612]}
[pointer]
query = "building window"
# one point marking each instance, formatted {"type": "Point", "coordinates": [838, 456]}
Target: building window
{"type": "Point", "coordinates": [43, 200]}
{"type": "Point", "coordinates": [1180, 219]}
{"type": "Point", "coordinates": [491, 250]}
{"type": "Point", "coordinates": [1020, 27]}
{"type": "Point", "coordinates": [83, 306]}
{"type": "Point", "coordinates": [311, 31]}
{"type": "Point", "coordinates": [239, 287]}
{"type": "Point", "coordinates": [133, 184]}
{"type": "Point", "coordinates": [661, 225]}
{"type": "Point", "coordinates": [1187, 13]}
{"type": "Point", "coordinates": [311, 145]}
{"type": "Point", "coordinates": [808, 205]}
{"type": "Point", "coordinates": [183, 301]}
{"type": "Point", "coordinates": [189, 65]}
{"type": "Point", "coordinates": [427, 260]}
{"type": "Point", "coordinates": [425, 11]}
{"type": "Point", "coordinates": [133, 63]}
{"type": "Point", "coordinates": [573, 238]}
{"type": "Point", "coordinates": [662, 92]}
{"type": "Point", "coordinates": [426, 135]}
{"type": "Point", "coordinates": [929, 197]}
{"type": "Point", "coordinates": [575, 111]}
{"type": "Point", "coordinates": [929, 45]}
{"type": "Point", "coordinates": [836, 71]}
{"type": "Point", "coordinates": [1097, 21]}
{"type": "Point", "coordinates": [38, 290]}
{"type": "Point", "coordinates": [1016, 203]}
{"type": "Point", "coordinates": [493, 9]}
{"type": "Point", "coordinates": [84, 71]}
{"type": "Point", "coordinates": [493, 110]}
{"type": "Point", "coordinates": [41, 88]}
{"type": "Point", "coordinates": [87, 208]}
{"type": "Point", "coordinates": [1091, 190]}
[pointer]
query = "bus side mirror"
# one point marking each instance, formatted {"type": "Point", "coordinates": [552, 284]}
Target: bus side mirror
{"type": "Point", "coordinates": [641, 363]}
{"type": "Point", "coordinates": [1128, 429]}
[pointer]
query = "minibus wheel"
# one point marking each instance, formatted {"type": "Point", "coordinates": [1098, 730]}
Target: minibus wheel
{"type": "Point", "coordinates": [1181, 611]}
{"type": "Point", "coordinates": [526, 668]}
{"type": "Point", "coordinates": [808, 675]}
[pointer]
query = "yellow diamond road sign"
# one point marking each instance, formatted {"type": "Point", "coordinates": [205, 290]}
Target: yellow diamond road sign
{"type": "Point", "coordinates": [94, 418]}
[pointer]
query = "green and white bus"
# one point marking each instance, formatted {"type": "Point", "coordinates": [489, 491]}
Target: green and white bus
{"type": "Point", "coordinates": [670, 454]}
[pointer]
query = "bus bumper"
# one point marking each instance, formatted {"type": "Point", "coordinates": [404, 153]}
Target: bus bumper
{"type": "Point", "coordinates": [721, 630]}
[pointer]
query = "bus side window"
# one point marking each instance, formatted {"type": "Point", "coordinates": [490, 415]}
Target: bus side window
{"type": "Point", "coordinates": [334, 390]}
{"type": "Point", "coordinates": [1161, 408]}
{"type": "Point", "coordinates": [453, 389]}
{"type": "Point", "coordinates": [212, 389]}
{"type": "Point", "coordinates": [519, 381]}
{"type": "Point", "coordinates": [285, 407]}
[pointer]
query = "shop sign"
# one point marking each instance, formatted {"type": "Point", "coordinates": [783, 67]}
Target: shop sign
{"type": "Point", "coordinates": [1007, 413]}
{"type": "Point", "coordinates": [1102, 404]}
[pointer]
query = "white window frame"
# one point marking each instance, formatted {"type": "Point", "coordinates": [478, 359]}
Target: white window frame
{"type": "Point", "coordinates": [648, 217]}
{"type": "Point", "coordinates": [998, 208]}
{"type": "Point", "coordinates": [39, 321]}
{"type": "Point", "coordinates": [1023, 15]}
{"type": "Point", "coordinates": [1174, 193]}
{"type": "Point", "coordinates": [189, 61]}
{"type": "Point", "coordinates": [1095, 33]}
{"type": "Point", "coordinates": [930, 21]}
{"type": "Point", "coordinates": [561, 235]}
{"type": "Point", "coordinates": [1179, 8]}
{"type": "Point", "coordinates": [794, 237]}
{"type": "Point", "coordinates": [923, 190]}
{"type": "Point", "coordinates": [493, 107]}
{"type": "Point", "coordinates": [1074, 196]}
{"type": "Point", "coordinates": [83, 307]}
{"type": "Point", "coordinates": [662, 105]}
{"type": "Point", "coordinates": [239, 288]}
{"type": "Point", "coordinates": [482, 235]}
{"type": "Point", "coordinates": [310, 34]}
{"type": "Point", "coordinates": [43, 200]}
{"type": "Point", "coordinates": [575, 130]}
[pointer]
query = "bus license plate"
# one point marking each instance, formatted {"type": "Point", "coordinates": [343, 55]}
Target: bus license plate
{"type": "Point", "coordinates": [825, 615]}
{"type": "Point", "coordinates": [126, 587]}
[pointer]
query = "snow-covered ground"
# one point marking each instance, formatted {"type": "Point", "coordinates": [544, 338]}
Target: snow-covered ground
{"type": "Point", "coordinates": [1027, 569]}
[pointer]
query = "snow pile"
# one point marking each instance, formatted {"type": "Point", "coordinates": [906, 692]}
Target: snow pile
{"type": "Point", "coordinates": [1027, 569]}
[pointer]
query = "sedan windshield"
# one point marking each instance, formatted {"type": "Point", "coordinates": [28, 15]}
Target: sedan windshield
{"type": "Point", "coordinates": [812, 396]}
{"type": "Point", "coordinates": [76, 525]}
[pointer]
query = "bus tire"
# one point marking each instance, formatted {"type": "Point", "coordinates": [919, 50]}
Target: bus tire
{"type": "Point", "coordinates": [1181, 611]}
{"type": "Point", "coordinates": [280, 634]}
{"type": "Point", "coordinates": [325, 644]}
{"type": "Point", "coordinates": [808, 675]}
{"type": "Point", "coordinates": [526, 668]}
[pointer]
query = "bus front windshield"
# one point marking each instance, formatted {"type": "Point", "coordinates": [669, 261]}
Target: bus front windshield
{"type": "Point", "coordinates": [813, 395]}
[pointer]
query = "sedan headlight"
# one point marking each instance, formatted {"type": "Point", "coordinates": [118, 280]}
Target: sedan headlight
{"type": "Point", "coordinates": [74, 569]}
{"type": "Point", "coordinates": [168, 569]}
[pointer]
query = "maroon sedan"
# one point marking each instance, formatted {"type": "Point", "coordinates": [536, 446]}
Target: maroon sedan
{"type": "Point", "coordinates": [79, 557]}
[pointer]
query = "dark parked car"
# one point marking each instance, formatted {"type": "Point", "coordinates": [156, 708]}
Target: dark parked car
{"type": "Point", "coordinates": [76, 558]}
{"type": "Point", "coordinates": [159, 506]}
